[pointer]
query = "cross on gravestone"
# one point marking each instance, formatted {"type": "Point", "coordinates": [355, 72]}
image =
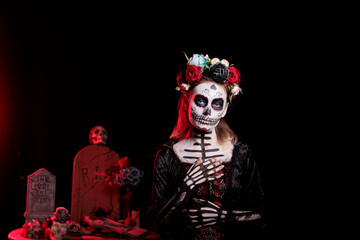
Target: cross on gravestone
{"type": "Point", "coordinates": [40, 196]}
{"type": "Point", "coordinates": [90, 189]}
{"type": "Point", "coordinates": [41, 185]}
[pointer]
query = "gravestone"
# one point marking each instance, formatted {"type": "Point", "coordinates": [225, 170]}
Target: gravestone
{"type": "Point", "coordinates": [40, 196]}
{"type": "Point", "coordinates": [93, 165]}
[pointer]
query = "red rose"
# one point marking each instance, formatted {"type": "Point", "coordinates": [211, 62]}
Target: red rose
{"type": "Point", "coordinates": [179, 78]}
{"type": "Point", "coordinates": [193, 73]}
{"type": "Point", "coordinates": [234, 76]}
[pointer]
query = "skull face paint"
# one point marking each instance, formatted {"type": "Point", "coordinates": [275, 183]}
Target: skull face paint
{"type": "Point", "coordinates": [98, 135]}
{"type": "Point", "coordinates": [207, 105]}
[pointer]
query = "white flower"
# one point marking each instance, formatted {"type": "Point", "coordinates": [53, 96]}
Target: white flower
{"type": "Point", "coordinates": [214, 60]}
{"type": "Point", "coordinates": [207, 57]}
{"type": "Point", "coordinates": [186, 86]}
{"type": "Point", "coordinates": [235, 90]}
{"type": "Point", "coordinates": [225, 62]}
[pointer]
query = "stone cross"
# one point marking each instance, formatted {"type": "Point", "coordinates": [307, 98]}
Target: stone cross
{"type": "Point", "coordinates": [40, 196]}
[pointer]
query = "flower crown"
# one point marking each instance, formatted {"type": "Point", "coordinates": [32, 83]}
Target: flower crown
{"type": "Point", "coordinates": [220, 71]}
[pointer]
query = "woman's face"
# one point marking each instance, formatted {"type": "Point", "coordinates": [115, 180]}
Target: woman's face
{"type": "Point", "coordinates": [208, 105]}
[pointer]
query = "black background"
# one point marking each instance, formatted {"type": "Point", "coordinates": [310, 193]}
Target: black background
{"type": "Point", "coordinates": [66, 67]}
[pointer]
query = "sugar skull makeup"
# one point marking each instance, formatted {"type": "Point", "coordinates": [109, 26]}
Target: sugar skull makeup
{"type": "Point", "coordinates": [98, 135]}
{"type": "Point", "coordinates": [207, 105]}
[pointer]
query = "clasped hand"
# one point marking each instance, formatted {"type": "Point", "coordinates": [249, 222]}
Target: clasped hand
{"type": "Point", "coordinates": [207, 214]}
{"type": "Point", "coordinates": [203, 171]}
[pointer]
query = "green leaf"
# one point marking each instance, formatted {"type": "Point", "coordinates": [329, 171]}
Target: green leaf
{"type": "Point", "coordinates": [186, 56]}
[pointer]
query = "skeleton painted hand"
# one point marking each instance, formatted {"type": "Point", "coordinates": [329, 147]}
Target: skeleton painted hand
{"type": "Point", "coordinates": [203, 171]}
{"type": "Point", "coordinates": [209, 214]}
{"type": "Point", "coordinates": [198, 173]}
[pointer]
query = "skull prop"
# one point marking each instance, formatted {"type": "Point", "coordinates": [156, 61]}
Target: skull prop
{"type": "Point", "coordinates": [208, 105]}
{"type": "Point", "coordinates": [98, 135]}
{"type": "Point", "coordinates": [58, 230]}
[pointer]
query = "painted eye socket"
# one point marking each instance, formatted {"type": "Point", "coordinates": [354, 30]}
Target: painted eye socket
{"type": "Point", "coordinates": [201, 101]}
{"type": "Point", "coordinates": [217, 104]}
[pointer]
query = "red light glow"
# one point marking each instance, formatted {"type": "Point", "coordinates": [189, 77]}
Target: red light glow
{"type": "Point", "coordinates": [4, 99]}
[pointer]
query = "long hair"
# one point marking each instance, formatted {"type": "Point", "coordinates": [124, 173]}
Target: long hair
{"type": "Point", "coordinates": [183, 128]}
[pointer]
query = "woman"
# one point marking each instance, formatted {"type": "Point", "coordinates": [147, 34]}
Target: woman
{"type": "Point", "coordinates": [206, 183]}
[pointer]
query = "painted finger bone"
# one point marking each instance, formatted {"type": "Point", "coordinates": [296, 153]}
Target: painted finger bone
{"type": "Point", "coordinates": [202, 171]}
{"type": "Point", "coordinates": [206, 214]}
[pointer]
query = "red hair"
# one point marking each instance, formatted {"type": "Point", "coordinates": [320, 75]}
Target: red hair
{"type": "Point", "coordinates": [183, 127]}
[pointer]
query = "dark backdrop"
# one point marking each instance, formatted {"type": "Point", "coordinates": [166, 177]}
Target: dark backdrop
{"type": "Point", "coordinates": [68, 67]}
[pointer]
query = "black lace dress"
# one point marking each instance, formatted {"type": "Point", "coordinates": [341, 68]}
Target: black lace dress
{"type": "Point", "coordinates": [239, 189]}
